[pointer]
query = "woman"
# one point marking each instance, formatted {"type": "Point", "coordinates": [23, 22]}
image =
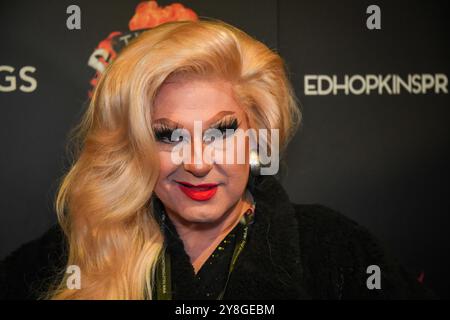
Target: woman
{"type": "Point", "coordinates": [140, 224]}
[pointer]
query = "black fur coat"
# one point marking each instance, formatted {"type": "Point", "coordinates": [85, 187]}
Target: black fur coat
{"type": "Point", "coordinates": [294, 251]}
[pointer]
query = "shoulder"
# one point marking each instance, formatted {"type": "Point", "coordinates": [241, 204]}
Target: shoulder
{"type": "Point", "coordinates": [30, 269]}
{"type": "Point", "coordinates": [328, 228]}
{"type": "Point", "coordinates": [337, 253]}
{"type": "Point", "coordinates": [320, 218]}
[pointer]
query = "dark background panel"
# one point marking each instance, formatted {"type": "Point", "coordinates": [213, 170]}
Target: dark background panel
{"type": "Point", "coordinates": [380, 159]}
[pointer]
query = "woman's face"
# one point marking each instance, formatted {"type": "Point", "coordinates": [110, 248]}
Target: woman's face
{"type": "Point", "coordinates": [202, 192]}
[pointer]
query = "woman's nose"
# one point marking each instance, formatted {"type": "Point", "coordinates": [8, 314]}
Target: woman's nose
{"type": "Point", "coordinates": [197, 166]}
{"type": "Point", "coordinates": [198, 169]}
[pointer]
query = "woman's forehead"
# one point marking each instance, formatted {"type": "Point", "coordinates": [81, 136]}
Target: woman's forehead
{"type": "Point", "coordinates": [195, 100]}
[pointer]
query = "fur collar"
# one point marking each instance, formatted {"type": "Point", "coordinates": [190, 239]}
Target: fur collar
{"type": "Point", "coordinates": [270, 265]}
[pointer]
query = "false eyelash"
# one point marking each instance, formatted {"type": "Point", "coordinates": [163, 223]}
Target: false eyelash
{"type": "Point", "coordinates": [228, 123]}
{"type": "Point", "coordinates": [163, 132]}
{"type": "Point", "coordinates": [227, 127]}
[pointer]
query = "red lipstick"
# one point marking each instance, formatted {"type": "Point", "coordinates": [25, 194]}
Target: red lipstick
{"type": "Point", "coordinates": [198, 192]}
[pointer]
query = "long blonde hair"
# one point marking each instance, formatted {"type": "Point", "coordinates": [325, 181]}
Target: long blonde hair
{"type": "Point", "coordinates": [104, 201]}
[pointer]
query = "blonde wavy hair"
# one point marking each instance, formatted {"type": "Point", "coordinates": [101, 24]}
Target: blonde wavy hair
{"type": "Point", "coordinates": [104, 201]}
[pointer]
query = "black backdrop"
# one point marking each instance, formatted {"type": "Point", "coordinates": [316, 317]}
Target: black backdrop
{"type": "Point", "coordinates": [381, 159]}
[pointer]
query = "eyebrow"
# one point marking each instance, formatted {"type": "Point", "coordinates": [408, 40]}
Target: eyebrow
{"type": "Point", "coordinates": [212, 121]}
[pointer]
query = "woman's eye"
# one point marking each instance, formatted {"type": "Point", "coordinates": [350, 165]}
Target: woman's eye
{"type": "Point", "coordinates": [212, 135]}
{"type": "Point", "coordinates": [176, 138]}
{"type": "Point", "coordinates": [173, 139]}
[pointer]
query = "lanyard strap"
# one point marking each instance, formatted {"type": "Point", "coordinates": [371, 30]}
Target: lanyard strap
{"type": "Point", "coordinates": [237, 251]}
{"type": "Point", "coordinates": [163, 270]}
{"type": "Point", "coordinates": [164, 283]}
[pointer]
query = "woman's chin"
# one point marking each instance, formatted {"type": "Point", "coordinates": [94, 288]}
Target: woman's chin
{"type": "Point", "coordinates": [201, 217]}
{"type": "Point", "coordinates": [206, 214]}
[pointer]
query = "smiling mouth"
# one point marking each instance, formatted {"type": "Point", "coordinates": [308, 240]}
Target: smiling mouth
{"type": "Point", "coordinates": [199, 192]}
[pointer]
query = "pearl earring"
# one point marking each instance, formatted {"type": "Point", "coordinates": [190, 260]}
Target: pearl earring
{"type": "Point", "coordinates": [255, 164]}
